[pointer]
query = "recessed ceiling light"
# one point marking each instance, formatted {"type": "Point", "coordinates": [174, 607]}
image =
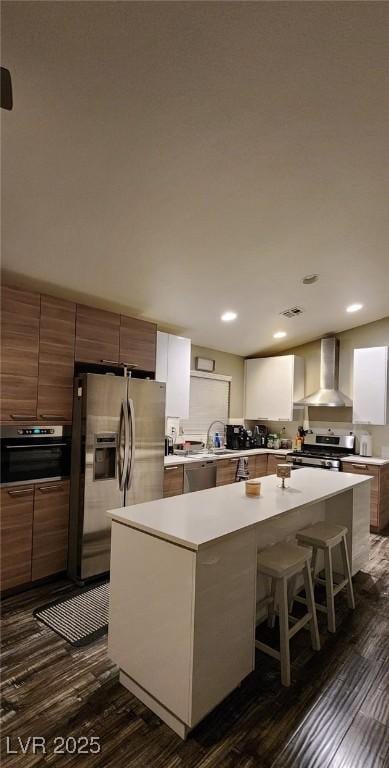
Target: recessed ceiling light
{"type": "Point", "coordinates": [354, 307]}
{"type": "Point", "coordinates": [227, 317]}
{"type": "Point", "coordinates": [310, 279]}
{"type": "Point", "coordinates": [279, 335]}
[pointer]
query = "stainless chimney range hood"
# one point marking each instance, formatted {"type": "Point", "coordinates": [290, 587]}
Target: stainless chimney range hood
{"type": "Point", "coordinates": [328, 395]}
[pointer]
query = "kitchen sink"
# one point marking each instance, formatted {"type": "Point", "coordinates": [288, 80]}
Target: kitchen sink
{"type": "Point", "coordinates": [221, 451]}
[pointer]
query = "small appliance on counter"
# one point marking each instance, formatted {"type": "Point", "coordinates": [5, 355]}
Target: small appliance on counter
{"type": "Point", "coordinates": [366, 445]}
{"type": "Point", "coordinates": [260, 436]}
{"type": "Point", "coordinates": [238, 438]}
{"type": "Point", "coordinates": [169, 445]}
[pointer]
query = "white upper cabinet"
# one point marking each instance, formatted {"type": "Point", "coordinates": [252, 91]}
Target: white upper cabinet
{"type": "Point", "coordinates": [370, 386]}
{"type": "Point", "coordinates": [272, 385]}
{"type": "Point", "coordinates": [173, 367]}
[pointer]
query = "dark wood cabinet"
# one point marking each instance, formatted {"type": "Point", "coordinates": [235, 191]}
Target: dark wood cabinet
{"type": "Point", "coordinates": [252, 466]}
{"type": "Point", "coordinates": [20, 311]}
{"type": "Point", "coordinates": [138, 341]}
{"type": "Point", "coordinates": [260, 465]}
{"type": "Point", "coordinates": [50, 529]}
{"type": "Point", "coordinates": [379, 494]}
{"type": "Point", "coordinates": [173, 480]}
{"type": "Point", "coordinates": [56, 360]}
{"type": "Point", "coordinates": [226, 471]}
{"type": "Point", "coordinates": [17, 504]}
{"type": "Point", "coordinates": [273, 459]}
{"type": "Point", "coordinates": [97, 335]}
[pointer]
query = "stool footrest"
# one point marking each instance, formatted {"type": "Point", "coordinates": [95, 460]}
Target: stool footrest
{"type": "Point", "coordinates": [267, 649]}
{"type": "Point", "coordinates": [341, 585]}
{"type": "Point", "coordinates": [300, 623]}
{"type": "Point", "coordinates": [318, 606]}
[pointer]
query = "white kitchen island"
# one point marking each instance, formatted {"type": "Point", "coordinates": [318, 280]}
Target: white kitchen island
{"type": "Point", "coordinates": [184, 582]}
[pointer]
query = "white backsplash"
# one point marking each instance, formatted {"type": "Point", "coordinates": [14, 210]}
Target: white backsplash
{"type": "Point", "coordinates": [380, 435]}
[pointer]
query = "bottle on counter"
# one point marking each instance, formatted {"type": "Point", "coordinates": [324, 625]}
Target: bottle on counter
{"type": "Point", "coordinates": [216, 440]}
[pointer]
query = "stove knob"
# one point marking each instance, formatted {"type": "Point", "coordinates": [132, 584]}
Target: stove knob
{"type": "Point", "coordinates": [328, 464]}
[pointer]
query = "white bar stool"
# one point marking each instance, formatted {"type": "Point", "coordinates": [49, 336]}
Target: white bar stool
{"type": "Point", "coordinates": [280, 563]}
{"type": "Point", "coordinates": [325, 536]}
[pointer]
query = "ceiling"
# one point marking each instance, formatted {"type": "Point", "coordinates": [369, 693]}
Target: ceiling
{"type": "Point", "coordinates": [182, 159]}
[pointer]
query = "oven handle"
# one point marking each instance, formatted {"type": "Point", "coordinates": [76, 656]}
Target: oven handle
{"type": "Point", "coordinates": [31, 445]}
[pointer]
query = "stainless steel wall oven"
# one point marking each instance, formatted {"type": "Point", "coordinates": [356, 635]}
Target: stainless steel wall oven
{"type": "Point", "coordinates": [34, 453]}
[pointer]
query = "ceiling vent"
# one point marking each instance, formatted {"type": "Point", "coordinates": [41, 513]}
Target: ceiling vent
{"type": "Point", "coordinates": [292, 312]}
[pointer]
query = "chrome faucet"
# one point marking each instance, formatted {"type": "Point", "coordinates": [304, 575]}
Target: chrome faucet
{"type": "Point", "coordinates": [209, 446]}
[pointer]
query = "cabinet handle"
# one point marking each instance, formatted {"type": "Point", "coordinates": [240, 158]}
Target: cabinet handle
{"type": "Point", "coordinates": [52, 416]}
{"type": "Point", "coordinates": [168, 469]}
{"type": "Point", "coordinates": [22, 417]}
{"type": "Point", "coordinates": [359, 466]}
{"type": "Point", "coordinates": [235, 460]}
{"type": "Point", "coordinates": [48, 487]}
{"type": "Point", "coordinates": [110, 362]}
{"type": "Point", "coordinates": [130, 365]}
{"type": "Point", "coordinates": [22, 492]}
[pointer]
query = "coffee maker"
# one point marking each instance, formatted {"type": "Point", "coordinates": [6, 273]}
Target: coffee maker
{"type": "Point", "coordinates": [237, 438]}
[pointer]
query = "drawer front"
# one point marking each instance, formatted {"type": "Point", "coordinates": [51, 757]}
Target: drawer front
{"type": "Point", "coordinates": [17, 505]}
{"type": "Point", "coordinates": [173, 480]}
{"type": "Point", "coordinates": [260, 465]}
{"type": "Point", "coordinates": [226, 471]}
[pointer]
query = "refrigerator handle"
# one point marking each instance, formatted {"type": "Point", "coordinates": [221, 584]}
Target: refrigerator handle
{"type": "Point", "coordinates": [123, 463]}
{"type": "Point", "coordinates": [132, 447]}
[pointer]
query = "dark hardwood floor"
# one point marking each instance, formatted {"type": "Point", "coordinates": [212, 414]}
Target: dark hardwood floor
{"type": "Point", "coordinates": [335, 715]}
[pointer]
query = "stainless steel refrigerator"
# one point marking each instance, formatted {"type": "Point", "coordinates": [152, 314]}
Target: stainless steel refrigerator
{"type": "Point", "coordinates": [117, 460]}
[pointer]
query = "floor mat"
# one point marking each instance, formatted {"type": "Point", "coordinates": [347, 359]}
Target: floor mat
{"type": "Point", "coordinates": [78, 619]}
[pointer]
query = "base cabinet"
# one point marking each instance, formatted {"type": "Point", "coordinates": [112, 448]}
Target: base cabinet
{"type": "Point", "coordinates": [261, 465]}
{"type": "Point", "coordinates": [379, 496]}
{"type": "Point", "coordinates": [272, 462]}
{"type": "Point", "coordinates": [226, 470]}
{"type": "Point", "coordinates": [50, 529]}
{"type": "Point", "coordinates": [34, 532]}
{"type": "Point", "coordinates": [203, 606]}
{"type": "Point", "coordinates": [17, 510]}
{"type": "Point", "coordinates": [173, 480]}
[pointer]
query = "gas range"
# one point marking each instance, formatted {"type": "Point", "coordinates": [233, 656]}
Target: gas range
{"type": "Point", "coordinates": [323, 451]}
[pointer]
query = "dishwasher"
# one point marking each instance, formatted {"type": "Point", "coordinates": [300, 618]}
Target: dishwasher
{"type": "Point", "coordinates": [199, 475]}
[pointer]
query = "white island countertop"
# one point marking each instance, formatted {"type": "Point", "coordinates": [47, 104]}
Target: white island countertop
{"type": "Point", "coordinates": [194, 520]}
